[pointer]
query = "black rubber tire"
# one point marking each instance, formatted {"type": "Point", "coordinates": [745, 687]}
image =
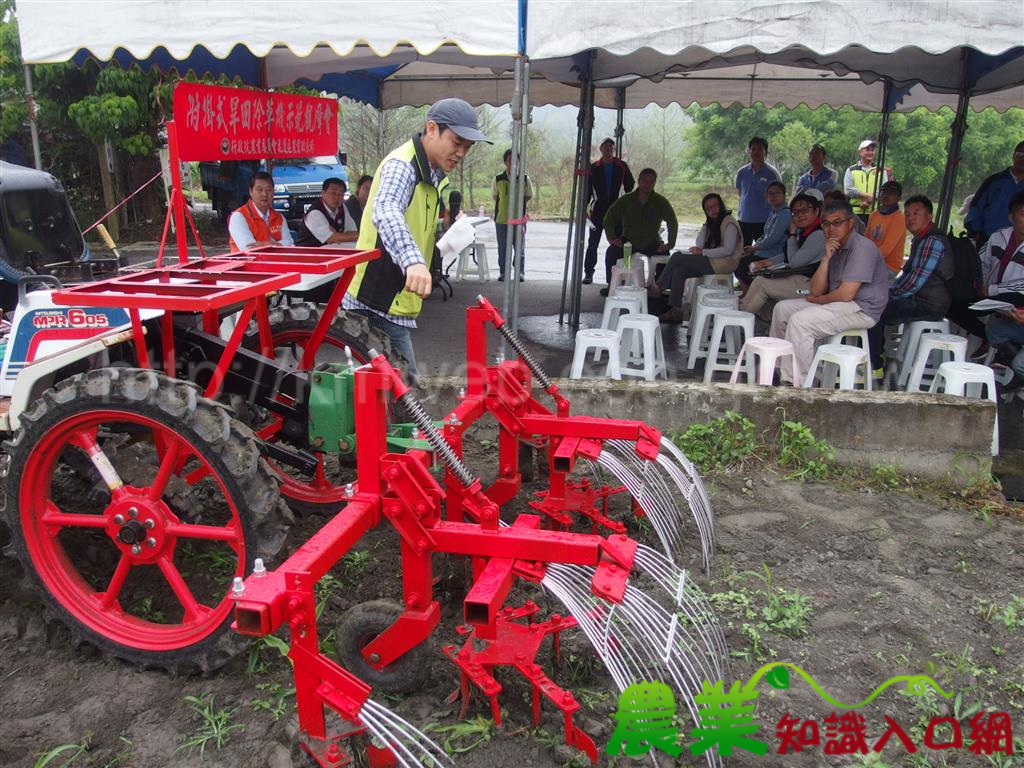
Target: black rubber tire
{"type": "Point", "coordinates": [228, 447]}
{"type": "Point", "coordinates": [349, 329]}
{"type": "Point", "coordinates": [362, 623]}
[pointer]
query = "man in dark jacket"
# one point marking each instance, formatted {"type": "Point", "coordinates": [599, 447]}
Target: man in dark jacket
{"type": "Point", "coordinates": [919, 291]}
{"type": "Point", "coordinates": [609, 177]}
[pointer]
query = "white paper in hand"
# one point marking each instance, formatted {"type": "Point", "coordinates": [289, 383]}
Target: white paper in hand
{"type": "Point", "coordinates": [991, 305]}
{"type": "Point", "coordinates": [459, 236]}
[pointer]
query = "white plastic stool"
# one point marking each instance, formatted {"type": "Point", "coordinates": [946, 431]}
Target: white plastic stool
{"type": "Point", "coordinates": [967, 380]}
{"type": "Point", "coordinates": [906, 353]}
{"type": "Point", "coordinates": [699, 292]}
{"type": "Point", "coordinates": [614, 306]}
{"type": "Point", "coordinates": [631, 292]}
{"type": "Point", "coordinates": [844, 359]}
{"type": "Point", "coordinates": [652, 265]}
{"type": "Point", "coordinates": [769, 351]}
{"type": "Point", "coordinates": [723, 281]}
{"type": "Point", "coordinates": [596, 339]}
{"type": "Point", "coordinates": [700, 335]}
{"type": "Point", "coordinates": [622, 275]}
{"type": "Point", "coordinates": [943, 343]}
{"type": "Point", "coordinates": [643, 333]}
{"type": "Point", "coordinates": [857, 333]}
{"type": "Point", "coordinates": [477, 251]}
{"type": "Point", "coordinates": [728, 324]}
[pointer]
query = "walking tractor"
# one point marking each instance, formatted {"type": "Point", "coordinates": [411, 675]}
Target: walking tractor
{"type": "Point", "coordinates": [165, 424]}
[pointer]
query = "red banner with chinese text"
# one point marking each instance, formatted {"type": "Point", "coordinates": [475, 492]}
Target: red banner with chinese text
{"type": "Point", "coordinates": [219, 123]}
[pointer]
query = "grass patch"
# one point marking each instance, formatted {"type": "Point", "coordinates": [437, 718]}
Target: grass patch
{"type": "Point", "coordinates": [215, 725]}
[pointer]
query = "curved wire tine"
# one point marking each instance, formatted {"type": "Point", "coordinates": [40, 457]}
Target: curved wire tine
{"type": "Point", "coordinates": [690, 471]}
{"type": "Point", "coordinates": [659, 516]}
{"type": "Point", "coordinates": [383, 724]}
{"type": "Point", "coordinates": [658, 492]}
{"type": "Point", "coordinates": [624, 637]}
{"type": "Point", "coordinates": [687, 597]}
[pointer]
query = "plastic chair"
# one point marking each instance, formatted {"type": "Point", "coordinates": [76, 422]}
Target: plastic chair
{"type": "Point", "coordinates": [631, 292]}
{"type": "Point", "coordinates": [767, 351]}
{"type": "Point", "coordinates": [596, 339]}
{"type": "Point", "coordinates": [858, 333]}
{"type": "Point", "coordinates": [473, 258]}
{"type": "Point", "coordinates": [842, 358]}
{"type": "Point", "coordinates": [968, 380]}
{"type": "Point", "coordinates": [906, 353]}
{"type": "Point", "coordinates": [727, 327]}
{"type": "Point", "coordinates": [700, 336]}
{"type": "Point", "coordinates": [722, 281]}
{"type": "Point", "coordinates": [626, 276]}
{"type": "Point", "coordinates": [697, 295]}
{"type": "Point", "coordinates": [943, 343]}
{"type": "Point", "coordinates": [652, 265]}
{"type": "Point", "coordinates": [616, 305]}
{"type": "Point", "coordinates": [641, 343]}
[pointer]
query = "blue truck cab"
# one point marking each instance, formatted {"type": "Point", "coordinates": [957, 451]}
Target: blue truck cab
{"type": "Point", "coordinates": [297, 182]}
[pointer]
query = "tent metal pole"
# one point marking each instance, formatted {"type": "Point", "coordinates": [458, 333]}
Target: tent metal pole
{"type": "Point", "coordinates": [515, 199]}
{"type": "Point", "coordinates": [956, 139]}
{"type": "Point", "coordinates": [33, 125]}
{"type": "Point", "coordinates": [581, 207]}
{"type": "Point", "coordinates": [620, 107]}
{"type": "Point", "coordinates": [518, 231]}
{"type": "Point", "coordinates": [883, 139]}
{"type": "Point", "coordinates": [572, 206]}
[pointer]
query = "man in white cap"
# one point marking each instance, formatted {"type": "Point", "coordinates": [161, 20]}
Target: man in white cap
{"type": "Point", "coordinates": [402, 222]}
{"type": "Point", "coordinates": [860, 180]}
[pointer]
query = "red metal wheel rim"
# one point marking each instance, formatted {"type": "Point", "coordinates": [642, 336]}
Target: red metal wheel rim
{"type": "Point", "coordinates": [100, 611]}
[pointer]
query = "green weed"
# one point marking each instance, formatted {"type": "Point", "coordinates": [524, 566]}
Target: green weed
{"type": "Point", "coordinates": [465, 736]}
{"type": "Point", "coordinates": [799, 450]}
{"type": "Point", "coordinates": [1010, 614]}
{"type": "Point", "coordinates": [723, 442]}
{"type": "Point", "coordinates": [67, 752]}
{"type": "Point", "coordinates": [277, 701]}
{"type": "Point", "coordinates": [215, 725]}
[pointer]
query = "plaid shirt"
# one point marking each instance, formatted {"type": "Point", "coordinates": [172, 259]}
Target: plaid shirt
{"type": "Point", "coordinates": [397, 184]}
{"type": "Point", "coordinates": [925, 254]}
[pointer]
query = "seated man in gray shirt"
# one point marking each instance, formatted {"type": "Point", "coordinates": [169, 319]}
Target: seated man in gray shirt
{"type": "Point", "coordinates": [848, 291]}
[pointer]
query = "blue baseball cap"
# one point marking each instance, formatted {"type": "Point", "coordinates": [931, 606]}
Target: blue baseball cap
{"type": "Point", "coordinates": [460, 117]}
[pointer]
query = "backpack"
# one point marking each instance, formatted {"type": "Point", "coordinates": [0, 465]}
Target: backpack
{"type": "Point", "coordinates": [965, 284]}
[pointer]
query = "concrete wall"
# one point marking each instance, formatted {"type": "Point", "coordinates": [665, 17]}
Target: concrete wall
{"type": "Point", "coordinates": [935, 436]}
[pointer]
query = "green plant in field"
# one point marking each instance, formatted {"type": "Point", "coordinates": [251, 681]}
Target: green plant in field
{"type": "Point", "coordinates": [1010, 614]}
{"type": "Point", "coordinates": [215, 724]}
{"type": "Point", "coordinates": [276, 702]}
{"type": "Point", "coordinates": [801, 451]}
{"type": "Point", "coordinates": [886, 476]}
{"type": "Point", "coordinates": [65, 753]}
{"type": "Point", "coordinates": [465, 736]}
{"type": "Point", "coordinates": [256, 664]}
{"type": "Point", "coordinates": [721, 442]}
{"type": "Point", "coordinates": [143, 609]}
{"type": "Point", "coordinates": [218, 563]}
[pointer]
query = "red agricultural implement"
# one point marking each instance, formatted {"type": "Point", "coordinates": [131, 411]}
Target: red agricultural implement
{"type": "Point", "coordinates": [153, 440]}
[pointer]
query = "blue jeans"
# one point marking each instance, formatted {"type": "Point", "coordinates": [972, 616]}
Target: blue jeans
{"type": "Point", "coordinates": [897, 311]}
{"type": "Point", "coordinates": [401, 338]}
{"type": "Point", "coordinates": [1003, 330]}
{"type": "Point", "coordinates": [501, 230]}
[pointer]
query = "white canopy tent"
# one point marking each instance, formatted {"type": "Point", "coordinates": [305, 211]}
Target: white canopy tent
{"type": "Point", "coordinates": [915, 53]}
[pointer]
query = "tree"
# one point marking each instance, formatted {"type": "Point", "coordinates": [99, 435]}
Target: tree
{"type": "Point", "coordinates": [789, 151]}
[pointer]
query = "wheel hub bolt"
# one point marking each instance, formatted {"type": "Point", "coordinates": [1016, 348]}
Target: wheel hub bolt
{"type": "Point", "coordinates": [131, 532]}
{"type": "Point", "coordinates": [136, 549]}
{"type": "Point", "coordinates": [119, 519]}
{"type": "Point", "coordinates": [133, 512]}
{"type": "Point", "coordinates": [148, 524]}
{"type": "Point", "coordinates": [150, 542]}
{"type": "Point", "coordinates": [375, 658]}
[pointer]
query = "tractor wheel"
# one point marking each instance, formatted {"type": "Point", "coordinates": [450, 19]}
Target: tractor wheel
{"type": "Point", "coordinates": [291, 327]}
{"type": "Point", "coordinates": [361, 624]}
{"type": "Point", "coordinates": [132, 503]}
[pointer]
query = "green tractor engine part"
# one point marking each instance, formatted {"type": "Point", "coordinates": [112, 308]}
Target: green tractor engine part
{"type": "Point", "coordinates": [332, 421]}
{"type": "Point", "coordinates": [332, 425]}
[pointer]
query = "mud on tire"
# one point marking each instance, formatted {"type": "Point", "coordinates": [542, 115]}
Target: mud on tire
{"type": "Point", "coordinates": [362, 623]}
{"type": "Point", "coordinates": [142, 571]}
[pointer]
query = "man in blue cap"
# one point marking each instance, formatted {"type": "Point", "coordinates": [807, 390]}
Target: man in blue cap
{"type": "Point", "coordinates": [403, 206]}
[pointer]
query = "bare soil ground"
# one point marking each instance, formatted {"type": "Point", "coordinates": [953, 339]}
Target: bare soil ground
{"type": "Point", "coordinates": [855, 583]}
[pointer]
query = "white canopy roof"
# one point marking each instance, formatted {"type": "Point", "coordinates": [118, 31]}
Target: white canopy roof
{"type": "Point", "coordinates": [139, 26]}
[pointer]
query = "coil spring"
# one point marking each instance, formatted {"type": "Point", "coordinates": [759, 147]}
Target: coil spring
{"type": "Point", "coordinates": [517, 344]}
{"type": "Point", "coordinates": [436, 439]}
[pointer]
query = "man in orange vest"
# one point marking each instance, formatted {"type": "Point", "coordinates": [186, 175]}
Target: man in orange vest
{"type": "Point", "coordinates": [257, 223]}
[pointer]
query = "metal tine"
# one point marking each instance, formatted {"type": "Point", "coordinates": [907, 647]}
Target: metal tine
{"type": "Point", "coordinates": [383, 723]}
{"type": "Point", "coordinates": [686, 596]}
{"type": "Point", "coordinates": [690, 485]}
{"type": "Point", "coordinates": [690, 472]}
{"type": "Point", "coordinates": [660, 518]}
{"type": "Point", "coordinates": [701, 515]}
{"type": "Point", "coordinates": [653, 481]}
{"type": "Point", "coordinates": [612, 631]}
